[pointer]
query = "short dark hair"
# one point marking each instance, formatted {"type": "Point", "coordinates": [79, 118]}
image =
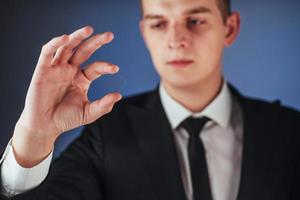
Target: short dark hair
{"type": "Point", "coordinates": [224, 6]}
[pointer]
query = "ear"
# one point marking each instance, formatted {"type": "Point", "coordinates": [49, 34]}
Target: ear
{"type": "Point", "coordinates": [232, 28]}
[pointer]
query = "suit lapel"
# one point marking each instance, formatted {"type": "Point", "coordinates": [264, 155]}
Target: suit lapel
{"type": "Point", "coordinates": [259, 141]}
{"type": "Point", "coordinates": [158, 151]}
{"type": "Point", "coordinates": [254, 131]}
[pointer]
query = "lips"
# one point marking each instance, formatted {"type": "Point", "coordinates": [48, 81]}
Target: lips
{"type": "Point", "coordinates": [180, 62]}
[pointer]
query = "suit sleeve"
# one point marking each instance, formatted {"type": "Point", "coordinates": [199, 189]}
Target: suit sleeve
{"type": "Point", "coordinates": [76, 174]}
{"type": "Point", "coordinates": [296, 185]}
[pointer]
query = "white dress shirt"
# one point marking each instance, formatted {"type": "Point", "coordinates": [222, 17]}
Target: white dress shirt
{"type": "Point", "coordinates": [222, 138]}
{"type": "Point", "coordinates": [16, 179]}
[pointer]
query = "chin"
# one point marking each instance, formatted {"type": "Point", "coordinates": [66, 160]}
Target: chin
{"type": "Point", "coordinates": [182, 83]}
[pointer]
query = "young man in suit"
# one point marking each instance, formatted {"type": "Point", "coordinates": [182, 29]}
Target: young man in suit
{"type": "Point", "coordinates": [194, 137]}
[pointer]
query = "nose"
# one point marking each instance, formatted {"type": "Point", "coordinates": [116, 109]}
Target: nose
{"type": "Point", "coordinates": [178, 37]}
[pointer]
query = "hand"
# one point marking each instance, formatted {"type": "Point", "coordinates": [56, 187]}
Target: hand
{"type": "Point", "coordinates": [57, 97]}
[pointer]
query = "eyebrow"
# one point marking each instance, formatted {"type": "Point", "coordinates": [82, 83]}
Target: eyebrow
{"type": "Point", "coordinates": [150, 16]}
{"type": "Point", "coordinates": [192, 11]}
{"type": "Point", "coordinates": [197, 10]}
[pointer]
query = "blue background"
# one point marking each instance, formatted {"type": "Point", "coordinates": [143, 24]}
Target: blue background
{"type": "Point", "coordinates": [263, 63]}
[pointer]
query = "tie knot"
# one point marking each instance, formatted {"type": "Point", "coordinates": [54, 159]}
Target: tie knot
{"type": "Point", "coordinates": [194, 125]}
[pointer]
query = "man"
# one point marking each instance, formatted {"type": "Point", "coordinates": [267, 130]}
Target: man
{"type": "Point", "coordinates": [147, 147]}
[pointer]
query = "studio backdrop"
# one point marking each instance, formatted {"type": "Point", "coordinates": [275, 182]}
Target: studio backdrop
{"type": "Point", "coordinates": [264, 62]}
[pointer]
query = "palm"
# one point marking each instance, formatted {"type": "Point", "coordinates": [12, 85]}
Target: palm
{"type": "Point", "coordinates": [61, 97]}
{"type": "Point", "coordinates": [57, 97]}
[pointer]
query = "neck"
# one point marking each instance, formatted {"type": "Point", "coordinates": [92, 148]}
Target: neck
{"type": "Point", "coordinates": [195, 98]}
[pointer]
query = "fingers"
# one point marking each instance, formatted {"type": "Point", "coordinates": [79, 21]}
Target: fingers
{"type": "Point", "coordinates": [100, 107]}
{"type": "Point", "coordinates": [64, 53]}
{"type": "Point", "coordinates": [50, 48]}
{"type": "Point", "coordinates": [96, 69]}
{"type": "Point", "coordinates": [63, 47]}
{"type": "Point", "coordinates": [87, 48]}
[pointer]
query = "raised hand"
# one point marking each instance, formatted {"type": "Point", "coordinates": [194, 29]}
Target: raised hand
{"type": "Point", "coordinates": [57, 96]}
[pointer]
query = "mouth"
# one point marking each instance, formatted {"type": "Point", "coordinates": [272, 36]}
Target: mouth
{"type": "Point", "coordinates": [180, 63]}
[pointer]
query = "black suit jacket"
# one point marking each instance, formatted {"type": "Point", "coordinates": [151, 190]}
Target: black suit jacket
{"type": "Point", "coordinates": [130, 154]}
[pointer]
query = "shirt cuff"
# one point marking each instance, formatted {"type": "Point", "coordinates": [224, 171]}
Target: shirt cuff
{"type": "Point", "coordinates": [16, 179]}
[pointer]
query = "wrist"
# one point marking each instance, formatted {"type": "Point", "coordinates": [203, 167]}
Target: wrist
{"type": "Point", "coordinates": [30, 146]}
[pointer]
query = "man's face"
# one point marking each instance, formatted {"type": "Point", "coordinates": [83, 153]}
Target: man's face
{"type": "Point", "coordinates": [186, 39]}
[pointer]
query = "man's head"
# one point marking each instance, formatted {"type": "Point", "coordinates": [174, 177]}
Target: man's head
{"type": "Point", "coordinates": [186, 38]}
{"type": "Point", "coordinates": [223, 5]}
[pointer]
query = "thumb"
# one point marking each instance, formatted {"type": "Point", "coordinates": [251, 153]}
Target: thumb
{"type": "Point", "coordinates": [98, 108]}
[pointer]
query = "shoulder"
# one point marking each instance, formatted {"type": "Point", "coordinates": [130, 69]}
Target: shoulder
{"type": "Point", "coordinates": [272, 119]}
{"type": "Point", "coordinates": [140, 99]}
{"type": "Point", "coordinates": [272, 108]}
{"type": "Point", "coordinates": [128, 104]}
{"type": "Point", "coordinates": [265, 109]}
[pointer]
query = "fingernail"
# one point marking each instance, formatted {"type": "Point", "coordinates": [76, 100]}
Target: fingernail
{"type": "Point", "coordinates": [119, 97]}
{"type": "Point", "coordinates": [89, 28]}
{"type": "Point", "coordinates": [112, 69]}
{"type": "Point", "coordinates": [109, 34]}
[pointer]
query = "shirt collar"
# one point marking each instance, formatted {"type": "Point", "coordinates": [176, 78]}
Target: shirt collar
{"type": "Point", "coordinates": [219, 110]}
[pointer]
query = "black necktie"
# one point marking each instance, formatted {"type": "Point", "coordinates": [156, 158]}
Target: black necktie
{"type": "Point", "coordinates": [196, 153]}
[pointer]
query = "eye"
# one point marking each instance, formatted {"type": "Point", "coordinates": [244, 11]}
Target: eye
{"type": "Point", "coordinates": [194, 22]}
{"type": "Point", "coordinates": [158, 26]}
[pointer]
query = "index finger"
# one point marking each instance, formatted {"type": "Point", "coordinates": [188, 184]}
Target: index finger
{"type": "Point", "coordinates": [79, 35]}
{"type": "Point", "coordinates": [88, 47]}
{"type": "Point", "coordinates": [64, 53]}
{"type": "Point", "coordinates": [50, 48]}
